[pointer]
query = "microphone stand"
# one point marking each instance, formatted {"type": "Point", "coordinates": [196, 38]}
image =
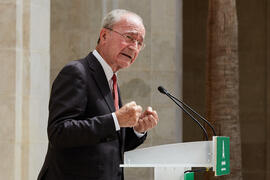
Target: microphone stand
{"type": "Point", "coordinates": [192, 117]}
{"type": "Point", "coordinates": [202, 118]}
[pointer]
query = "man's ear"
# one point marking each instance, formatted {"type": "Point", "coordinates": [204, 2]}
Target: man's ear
{"type": "Point", "coordinates": [103, 35]}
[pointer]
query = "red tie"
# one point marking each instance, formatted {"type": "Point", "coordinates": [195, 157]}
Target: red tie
{"type": "Point", "coordinates": [115, 92]}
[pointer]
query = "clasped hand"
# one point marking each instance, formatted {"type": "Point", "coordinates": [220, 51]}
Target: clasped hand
{"type": "Point", "coordinates": [130, 115]}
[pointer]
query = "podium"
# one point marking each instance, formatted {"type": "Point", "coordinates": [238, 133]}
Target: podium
{"type": "Point", "coordinates": [171, 161]}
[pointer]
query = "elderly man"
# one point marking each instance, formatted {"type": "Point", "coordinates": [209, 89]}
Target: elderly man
{"type": "Point", "coordinates": [88, 128]}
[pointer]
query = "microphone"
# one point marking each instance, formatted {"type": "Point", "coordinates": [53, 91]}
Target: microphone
{"type": "Point", "coordinates": [164, 91]}
{"type": "Point", "coordinates": [174, 99]}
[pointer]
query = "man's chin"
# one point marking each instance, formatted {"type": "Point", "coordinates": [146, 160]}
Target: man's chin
{"type": "Point", "coordinates": [125, 63]}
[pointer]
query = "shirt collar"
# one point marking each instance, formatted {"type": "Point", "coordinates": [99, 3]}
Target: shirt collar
{"type": "Point", "coordinates": [107, 69]}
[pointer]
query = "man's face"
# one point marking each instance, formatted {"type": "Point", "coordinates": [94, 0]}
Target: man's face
{"type": "Point", "coordinates": [118, 50]}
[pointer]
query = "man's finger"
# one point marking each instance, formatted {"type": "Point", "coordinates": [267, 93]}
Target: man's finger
{"type": "Point", "coordinates": [154, 113]}
{"type": "Point", "coordinates": [131, 104]}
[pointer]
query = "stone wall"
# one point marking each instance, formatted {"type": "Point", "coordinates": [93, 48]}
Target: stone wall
{"type": "Point", "coordinates": [24, 92]}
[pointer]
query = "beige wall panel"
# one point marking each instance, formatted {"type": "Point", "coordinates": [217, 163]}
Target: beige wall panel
{"type": "Point", "coordinates": [37, 150]}
{"type": "Point", "coordinates": [163, 24]}
{"type": "Point", "coordinates": [163, 67]}
{"type": "Point", "coordinates": [74, 31]}
{"type": "Point", "coordinates": [38, 120]}
{"type": "Point", "coordinates": [40, 28]}
{"type": "Point", "coordinates": [7, 87]}
{"type": "Point", "coordinates": [7, 71]}
{"type": "Point", "coordinates": [8, 25]}
{"type": "Point", "coordinates": [39, 88]}
{"type": "Point", "coordinates": [167, 79]}
{"type": "Point", "coordinates": [7, 115]}
{"type": "Point", "coordinates": [7, 160]}
{"type": "Point", "coordinates": [135, 86]}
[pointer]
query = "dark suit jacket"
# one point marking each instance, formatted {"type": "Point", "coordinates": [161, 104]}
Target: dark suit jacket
{"type": "Point", "coordinates": [83, 142]}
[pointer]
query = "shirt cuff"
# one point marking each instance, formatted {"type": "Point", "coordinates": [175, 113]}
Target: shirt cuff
{"type": "Point", "coordinates": [117, 126]}
{"type": "Point", "coordinates": [139, 135]}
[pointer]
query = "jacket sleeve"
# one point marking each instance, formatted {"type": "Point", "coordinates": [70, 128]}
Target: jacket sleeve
{"type": "Point", "coordinates": [132, 140]}
{"type": "Point", "coordinates": [68, 126]}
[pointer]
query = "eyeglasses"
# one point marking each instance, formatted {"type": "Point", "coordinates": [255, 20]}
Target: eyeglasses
{"type": "Point", "coordinates": [130, 39]}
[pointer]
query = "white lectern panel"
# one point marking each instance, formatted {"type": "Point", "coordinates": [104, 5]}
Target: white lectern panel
{"type": "Point", "coordinates": [191, 154]}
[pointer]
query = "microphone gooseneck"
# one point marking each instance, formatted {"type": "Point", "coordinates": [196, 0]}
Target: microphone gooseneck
{"type": "Point", "coordinates": [200, 116]}
{"type": "Point", "coordinates": [164, 91]}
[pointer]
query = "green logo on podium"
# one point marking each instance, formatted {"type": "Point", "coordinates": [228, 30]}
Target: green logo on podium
{"type": "Point", "coordinates": [222, 155]}
{"type": "Point", "coordinates": [189, 176]}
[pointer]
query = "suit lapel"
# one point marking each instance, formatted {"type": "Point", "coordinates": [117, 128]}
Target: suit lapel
{"type": "Point", "coordinates": [101, 80]}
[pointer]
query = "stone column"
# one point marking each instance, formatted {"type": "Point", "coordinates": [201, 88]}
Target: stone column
{"type": "Point", "coordinates": [24, 91]}
{"type": "Point", "coordinates": [7, 87]}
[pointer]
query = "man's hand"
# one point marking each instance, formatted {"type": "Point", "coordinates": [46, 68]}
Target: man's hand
{"type": "Point", "coordinates": [147, 120]}
{"type": "Point", "coordinates": [129, 114]}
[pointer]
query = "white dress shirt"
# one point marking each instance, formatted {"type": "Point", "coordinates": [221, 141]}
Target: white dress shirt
{"type": "Point", "coordinates": [109, 73]}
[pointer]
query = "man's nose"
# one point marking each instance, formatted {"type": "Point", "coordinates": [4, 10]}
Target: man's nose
{"type": "Point", "coordinates": [134, 45]}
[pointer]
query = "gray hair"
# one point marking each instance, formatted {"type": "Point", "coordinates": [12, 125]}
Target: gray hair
{"type": "Point", "coordinates": [115, 16]}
